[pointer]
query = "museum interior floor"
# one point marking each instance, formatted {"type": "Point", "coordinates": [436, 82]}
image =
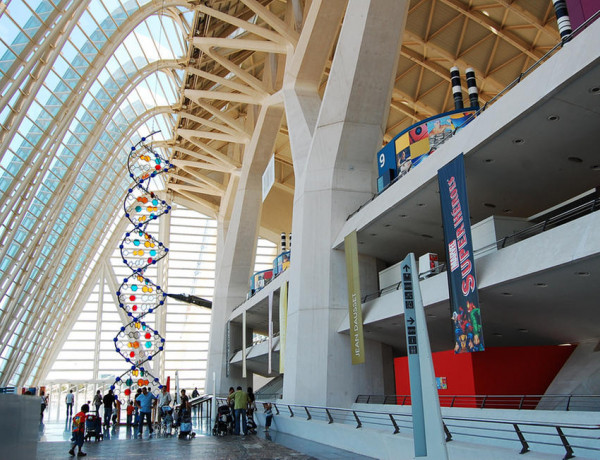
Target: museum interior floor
{"type": "Point", "coordinates": [120, 443]}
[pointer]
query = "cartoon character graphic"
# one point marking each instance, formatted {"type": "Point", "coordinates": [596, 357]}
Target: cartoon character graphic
{"type": "Point", "coordinates": [404, 162]}
{"type": "Point", "coordinates": [467, 329]}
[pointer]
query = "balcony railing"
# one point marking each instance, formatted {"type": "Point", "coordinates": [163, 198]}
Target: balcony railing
{"type": "Point", "coordinates": [548, 224]}
{"type": "Point", "coordinates": [519, 434]}
{"type": "Point", "coordinates": [568, 402]}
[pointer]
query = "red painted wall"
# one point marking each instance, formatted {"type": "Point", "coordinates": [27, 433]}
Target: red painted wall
{"type": "Point", "coordinates": [495, 371]}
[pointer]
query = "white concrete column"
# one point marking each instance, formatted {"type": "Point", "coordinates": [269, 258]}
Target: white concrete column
{"type": "Point", "coordinates": [236, 256]}
{"type": "Point", "coordinates": [339, 178]}
{"type": "Point", "coordinates": [303, 76]}
{"type": "Point", "coordinates": [164, 236]}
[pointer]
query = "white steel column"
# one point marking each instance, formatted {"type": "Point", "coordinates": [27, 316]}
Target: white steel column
{"type": "Point", "coordinates": [235, 258]}
{"type": "Point", "coordinates": [164, 233]}
{"type": "Point", "coordinates": [338, 179]}
{"type": "Point", "coordinates": [99, 323]}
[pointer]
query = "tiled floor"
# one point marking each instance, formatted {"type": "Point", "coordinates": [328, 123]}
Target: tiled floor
{"type": "Point", "coordinates": [121, 444]}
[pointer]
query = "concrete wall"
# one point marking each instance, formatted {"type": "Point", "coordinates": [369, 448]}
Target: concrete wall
{"type": "Point", "coordinates": [580, 375]}
{"type": "Point", "coordinates": [19, 426]}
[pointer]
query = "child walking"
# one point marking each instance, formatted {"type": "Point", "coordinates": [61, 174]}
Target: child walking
{"type": "Point", "coordinates": [130, 411]}
{"type": "Point", "coordinates": [79, 430]}
{"type": "Point", "coordinates": [268, 414]}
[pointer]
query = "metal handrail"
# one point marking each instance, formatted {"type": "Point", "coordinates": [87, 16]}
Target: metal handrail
{"type": "Point", "coordinates": [566, 402]}
{"type": "Point", "coordinates": [522, 432]}
{"type": "Point", "coordinates": [548, 224]}
{"type": "Point", "coordinates": [202, 408]}
{"type": "Point", "coordinates": [511, 85]}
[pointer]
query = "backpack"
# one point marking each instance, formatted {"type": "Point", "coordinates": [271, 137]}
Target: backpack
{"type": "Point", "coordinates": [79, 422]}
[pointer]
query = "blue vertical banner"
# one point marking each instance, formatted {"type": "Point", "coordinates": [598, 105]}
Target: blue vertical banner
{"type": "Point", "coordinates": [462, 282]}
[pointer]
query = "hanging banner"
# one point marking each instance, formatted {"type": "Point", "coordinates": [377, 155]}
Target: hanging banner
{"type": "Point", "coordinates": [268, 178]}
{"type": "Point", "coordinates": [462, 282]}
{"type": "Point", "coordinates": [270, 336]}
{"type": "Point", "coordinates": [283, 298]}
{"type": "Point", "coordinates": [354, 299]}
{"type": "Point", "coordinates": [244, 344]}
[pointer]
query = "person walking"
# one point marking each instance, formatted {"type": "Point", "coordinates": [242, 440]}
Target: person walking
{"type": "Point", "coordinates": [145, 402]}
{"type": "Point", "coordinates": [130, 411]}
{"type": "Point", "coordinates": [164, 403]}
{"type": "Point", "coordinates": [136, 412]}
{"type": "Point", "coordinates": [268, 415]}
{"type": "Point", "coordinates": [195, 394]}
{"type": "Point", "coordinates": [44, 404]}
{"type": "Point", "coordinates": [240, 399]}
{"type": "Point", "coordinates": [79, 431]}
{"type": "Point", "coordinates": [109, 402]}
{"type": "Point", "coordinates": [70, 399]}
{"type": "Point", "coordinates": [98, 402]}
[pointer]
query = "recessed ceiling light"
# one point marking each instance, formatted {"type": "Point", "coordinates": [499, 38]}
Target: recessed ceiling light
{"type": "Point", "coordinates": [595, 167]}
{"type": "Point", "coordinates": [542, 285]}
{"type": "Point", "coordinates": [421, 205]}
{"type": "Point", "coordinates": [507, 211]}
{"type": "Point", "coordinates": [387, 225]}
{"type": "Point", "coordinates": [583, 273]}
{"type": "Point", "coordinates": [518, 141]}
{"type": "Point", "coordinates": [404, 216]}
{"type": "Point", "coordinates": [373, 234]}
{"type": "Point", "coordinates": [361, 242]}
{"type": "Point", "coordinates": [507, 294]}
{"type": "Point", "coordinates": [575, 160]}
{"type": "Point", "coordinates": [489, 160]}
{"type": "Point", "coordinates": [553, 118]}
{"type": "Point", "coordinates": [425, 235]}
{"type": "Point", "coordinates": [564, 344]}
{"type": "Point", "coordinates": [594, 90]}
{"type": "Point", "coordinates": [523, 330]}
{"type": "Point", "coordinates": [497, 334]}
{"type": "Point", "coordinates": [489, 205]}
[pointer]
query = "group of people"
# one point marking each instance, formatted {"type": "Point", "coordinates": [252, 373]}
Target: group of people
{"type": "Point", "coordinates": [139, 411]}
{"type": "Point", "coordinates": [243, 404]}
{"type": "Point", "coordinates": [110, 402]}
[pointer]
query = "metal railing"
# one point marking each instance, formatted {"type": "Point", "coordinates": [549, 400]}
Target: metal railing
{"type": "Point", "coordinates": [548, 224]}
{"type": "Point", "coordinates": [521, 434]}
{"type": "Point", "coordinates": [568, 402]}
{"type": "Point", "coordinates": [202, 411]}
{"type": "Point", "coordinates": [511, 85]}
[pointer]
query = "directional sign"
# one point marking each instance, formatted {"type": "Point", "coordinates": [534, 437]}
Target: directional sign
{"type": "Point", "coordinates": [429, 438]}
{"type": "Point", "coordinates": [414, 367]}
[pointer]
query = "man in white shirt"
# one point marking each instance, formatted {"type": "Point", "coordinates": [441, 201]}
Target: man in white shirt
{"type": "Point", "coordinates": [70, 399]}
{"type": "Point", "coordinates": [164, 400]}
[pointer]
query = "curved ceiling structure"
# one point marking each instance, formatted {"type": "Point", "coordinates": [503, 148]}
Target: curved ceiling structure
{"type": "Point", "coordinates": [78, 80]}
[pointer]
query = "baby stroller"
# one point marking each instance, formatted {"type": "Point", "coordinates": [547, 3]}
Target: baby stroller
{"type": "Point", "coordinates": [250, 423]}
{"type": "Point", "coordinates": [93, 428]}
{"type": "Point", "coordinates": [185, 424]}
{"type": "Point", "coordinates": [166, 425]}
{"type": "Point", "coordinates": [224, 421]}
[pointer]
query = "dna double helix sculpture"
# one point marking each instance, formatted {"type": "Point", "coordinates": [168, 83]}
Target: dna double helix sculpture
{"type": "Point", "coordinates": [138, 296]}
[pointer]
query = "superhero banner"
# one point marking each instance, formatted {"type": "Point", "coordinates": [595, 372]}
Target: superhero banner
{"type": "Point", "coordinates": [462, 282]}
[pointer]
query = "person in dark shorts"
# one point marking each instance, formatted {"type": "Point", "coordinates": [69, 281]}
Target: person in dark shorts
{"type": "Point", "coordinates": [79, 430]}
